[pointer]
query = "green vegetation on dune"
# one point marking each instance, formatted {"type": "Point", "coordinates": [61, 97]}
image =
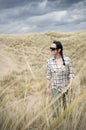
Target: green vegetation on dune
{"type": "Point", "coordinates": [23, 103]}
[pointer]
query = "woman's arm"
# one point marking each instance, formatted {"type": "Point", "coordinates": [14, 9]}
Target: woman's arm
{"type": "Point", "coordinates": [48, 76]}
{"type": "Point", "coordinates": [70, 82]}
{"type": "Point", "coordinates": [71, 74]}
{"type": "Point", "coordinates": [48, 87]}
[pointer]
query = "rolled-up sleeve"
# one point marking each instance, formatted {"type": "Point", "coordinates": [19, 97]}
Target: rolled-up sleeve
{"type": "Point", "coordinates": [49, 73]}
{"type": "Point", "coordinates": [70, 69]}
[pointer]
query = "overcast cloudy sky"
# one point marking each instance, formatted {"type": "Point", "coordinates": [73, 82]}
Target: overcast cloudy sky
{"type": "Point", "coordinates": [29, 16]}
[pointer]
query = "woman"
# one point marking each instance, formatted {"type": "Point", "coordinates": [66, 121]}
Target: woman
{"type": "Point", "coordinates": [59, 72]}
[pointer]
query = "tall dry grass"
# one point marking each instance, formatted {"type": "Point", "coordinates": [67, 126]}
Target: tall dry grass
{"type": "Point", "coordinates": [23, 103]}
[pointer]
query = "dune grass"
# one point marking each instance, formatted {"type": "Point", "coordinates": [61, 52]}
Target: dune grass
{"type": "Point", "coordinates": [23, 102]}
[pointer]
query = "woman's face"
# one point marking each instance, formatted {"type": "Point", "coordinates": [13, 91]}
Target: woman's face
{"type": "Point", "coordinates": [53, 49]}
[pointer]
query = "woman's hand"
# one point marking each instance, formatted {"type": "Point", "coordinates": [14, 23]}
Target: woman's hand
{"type": "Point", "coordinates": [68, 88]}
{"type": "Point", "coordinates": [69, 85]}
{"type": "Point", "coordinates": [48, 91]}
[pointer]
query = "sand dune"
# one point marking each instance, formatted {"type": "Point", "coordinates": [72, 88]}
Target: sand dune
{"type": "Point", "coordinates": [23, 76]}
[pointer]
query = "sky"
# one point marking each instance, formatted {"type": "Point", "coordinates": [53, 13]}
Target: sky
{"type": "Point", "coordinates": [34, 16]}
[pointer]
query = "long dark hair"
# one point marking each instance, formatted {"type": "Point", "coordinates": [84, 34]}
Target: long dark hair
{"type": "Point", "coordinates": [59, 46]}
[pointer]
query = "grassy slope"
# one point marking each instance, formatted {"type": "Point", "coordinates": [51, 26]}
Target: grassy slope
{"type": "Point", "coordinates": [23, 78]}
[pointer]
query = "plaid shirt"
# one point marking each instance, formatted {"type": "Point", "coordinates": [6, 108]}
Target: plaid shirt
{"type": "Point", "coordinates": [59, 75]}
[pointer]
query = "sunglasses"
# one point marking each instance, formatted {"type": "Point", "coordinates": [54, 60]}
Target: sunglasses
{"type": "Point", "coordinates": [53, 49]}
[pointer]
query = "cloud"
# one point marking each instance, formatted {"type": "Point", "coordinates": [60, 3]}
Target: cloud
{"type": "Point", "coordinates": [42, 4]}
{"type": "Point", "coordinates": [41, 16]}
{"type": "Point", "coordinates": [5, 4]}
{"type": "Point", "coordinates": [49, 17]}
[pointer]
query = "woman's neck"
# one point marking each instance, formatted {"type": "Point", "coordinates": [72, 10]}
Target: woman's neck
{"type": "Point", "coordinates": [58, 56]}
{"type": "Point", "coordinates": [58, 60]}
